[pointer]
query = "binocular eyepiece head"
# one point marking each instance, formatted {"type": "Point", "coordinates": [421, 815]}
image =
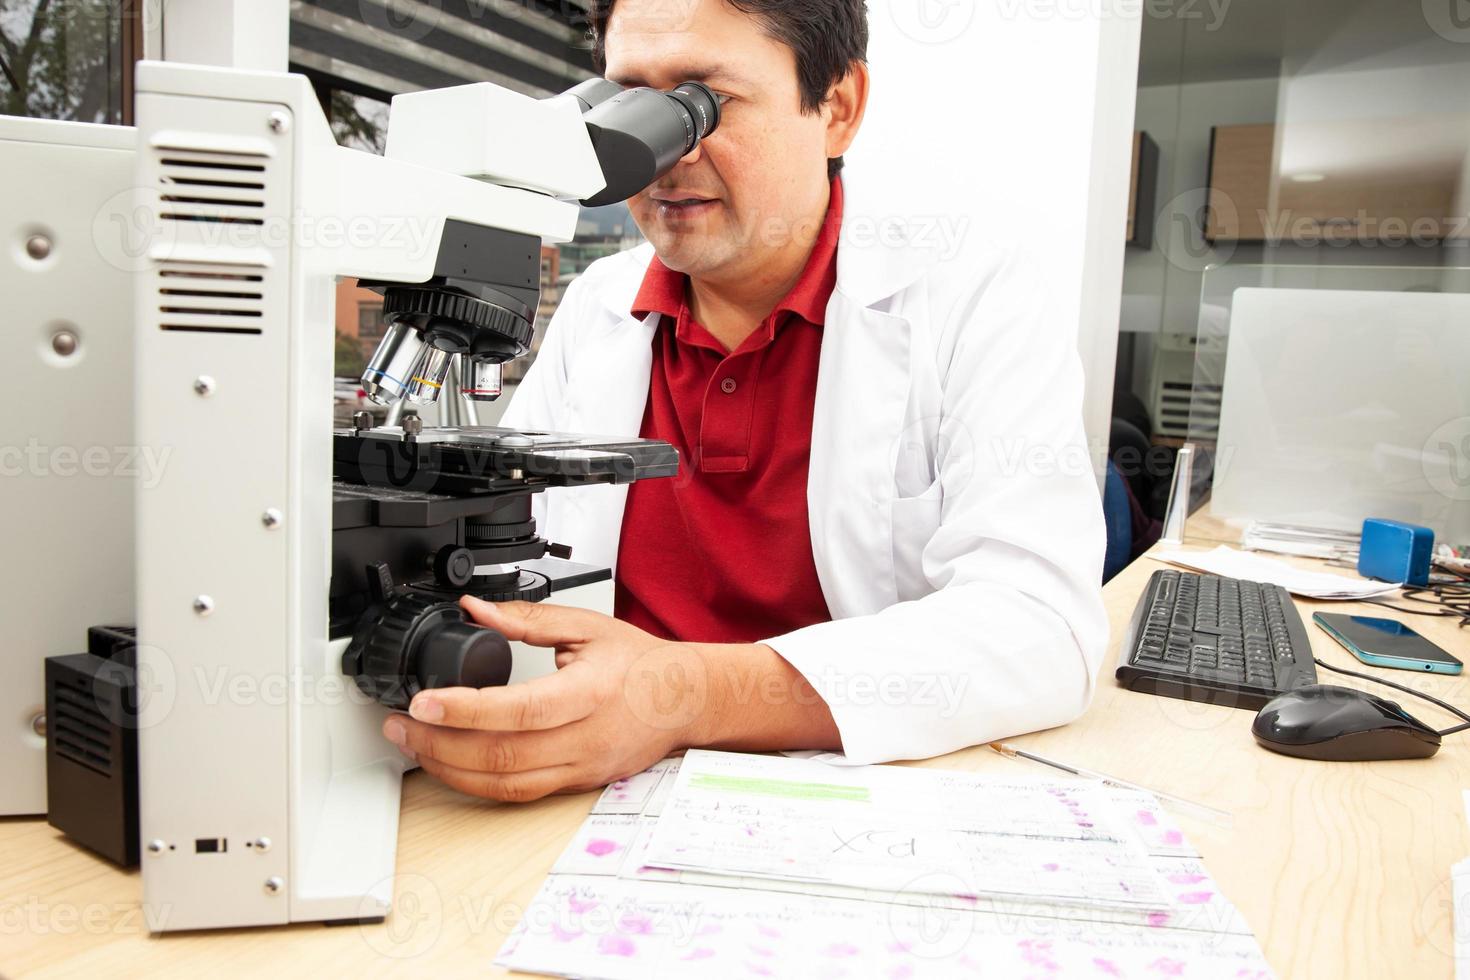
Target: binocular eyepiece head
{"type": "Point", "coordinates": [639, 134]}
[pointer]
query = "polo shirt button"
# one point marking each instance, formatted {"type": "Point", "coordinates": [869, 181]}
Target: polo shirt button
{"type": "Point", "coordinates": [728, 386]}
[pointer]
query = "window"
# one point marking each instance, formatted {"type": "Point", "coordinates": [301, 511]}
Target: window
{"type": "Point", "coordinates": [70, 61]}
{"type": "Point", "coordinates": [358, 121]}
{"type": "Point", "coordinates": [370, 323]}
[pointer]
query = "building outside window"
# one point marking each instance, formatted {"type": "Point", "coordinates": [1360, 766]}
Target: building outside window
{"type": "Point", "coordinates": [370, 323]}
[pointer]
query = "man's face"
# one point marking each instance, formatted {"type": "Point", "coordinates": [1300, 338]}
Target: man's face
{"type": "Point", "coordinates": [761, 179]}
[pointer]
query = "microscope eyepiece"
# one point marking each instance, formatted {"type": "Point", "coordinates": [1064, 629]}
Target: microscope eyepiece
{"type": "Point", "coordinates": [640, 133]}
{"type": "Point", "coordinates": [702, 105]}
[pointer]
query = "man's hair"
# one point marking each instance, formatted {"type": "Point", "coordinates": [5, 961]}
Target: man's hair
{"type": "Point", "coordinates": [827, 36]}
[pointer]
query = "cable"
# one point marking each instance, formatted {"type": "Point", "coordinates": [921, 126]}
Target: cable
{"type": "Point", "coordinates": [1407, 690]}
{"type": "Point", "coordinates": [1452, 599]}
{"type": "Point", "coordinates": [1412, 612]}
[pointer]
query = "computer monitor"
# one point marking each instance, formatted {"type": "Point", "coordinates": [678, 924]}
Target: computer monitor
{"type": "Point", "coordinates": [1340, 405]}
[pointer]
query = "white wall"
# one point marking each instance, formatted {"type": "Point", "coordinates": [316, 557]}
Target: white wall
{"type": "Point", "coordinates": [1015, 118]}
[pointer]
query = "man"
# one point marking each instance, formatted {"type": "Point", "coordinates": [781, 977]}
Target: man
{"type": "Point", "coordinates": [880, 540]}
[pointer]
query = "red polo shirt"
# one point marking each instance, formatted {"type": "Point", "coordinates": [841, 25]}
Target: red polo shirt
{"type": "Point", "coordinates": [722, 552]}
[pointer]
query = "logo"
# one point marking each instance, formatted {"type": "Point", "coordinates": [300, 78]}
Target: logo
{"type": "Point", "coordinates": [1186, 218]}
{"type": "Point", "coordinates": [415, 917]}
{"type": "Point", "coordinates": [402, 465]}
{"type": "Point", "coordinates": [667, 687]}
{"type": "Point", "coordinates": [1443, 915]}
{"type": "Point", "coordinates": [1450, 19]}
{"type": "Point", "coordinates": [925, 447]}
{"type": "Point", "coordinates": [932, 21]}
{"type": "Point", "coordinates": [924, 920]}
{"type": "Point", "coordinates": [126, 230]}
{"type": "Point", "coordinates": [154, 683]}
{"type": "Point", "coordinates": [401, 20]}
{"type": "Point", "coordinates": [1446, 459]}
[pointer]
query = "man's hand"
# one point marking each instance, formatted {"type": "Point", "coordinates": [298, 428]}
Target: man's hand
{"type": "Point", "coordinates": [618, 703]}
{"type": "Point", "coordinates": [621, 700]}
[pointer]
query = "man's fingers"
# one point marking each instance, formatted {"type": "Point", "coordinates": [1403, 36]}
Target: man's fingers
{"type": "Point", "coordinates": [500, 752]}
{"type": "Point", "coordinates": [541, 624]}
{"type": "Point", "coordinates": [547, 702]}
{"type": "Point", "coordinates": [515, 787]}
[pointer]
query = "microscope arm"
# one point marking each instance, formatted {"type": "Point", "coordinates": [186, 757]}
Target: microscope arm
{"type": "Point", "coordinates": [396, 236]}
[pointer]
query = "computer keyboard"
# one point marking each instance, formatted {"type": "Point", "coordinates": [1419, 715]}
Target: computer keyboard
{"type": "Point", "coordinates": [1209, 638]}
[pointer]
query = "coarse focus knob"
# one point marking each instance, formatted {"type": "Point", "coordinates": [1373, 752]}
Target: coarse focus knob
{"type": "Point", "coordinates": [462, 654]}
{"type": "Point", "coordinates": [414, 643]}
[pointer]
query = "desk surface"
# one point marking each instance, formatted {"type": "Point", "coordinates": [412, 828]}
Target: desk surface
{"type": "Point", "coordinates": [1342, 869]}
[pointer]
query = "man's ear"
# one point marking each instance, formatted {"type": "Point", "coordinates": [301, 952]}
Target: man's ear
{"type": "Point", "coordinates": [846, 103]}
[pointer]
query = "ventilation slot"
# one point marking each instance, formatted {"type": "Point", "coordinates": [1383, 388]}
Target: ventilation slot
{"type": "Point", "coordinates": [213, 188]}
{"type": "Point", "coordinates": [80, 730]}
{"type": "Point", "coordinates": [1187, 410]}
{"type": "Point", "coordinates": [203, 299]}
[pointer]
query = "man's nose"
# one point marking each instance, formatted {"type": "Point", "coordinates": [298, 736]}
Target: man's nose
{"type": "Point", "coordinates": [694, 155]}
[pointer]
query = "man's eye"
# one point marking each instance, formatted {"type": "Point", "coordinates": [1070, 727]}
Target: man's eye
{"type": "Point", "coordinates": [724, 99]}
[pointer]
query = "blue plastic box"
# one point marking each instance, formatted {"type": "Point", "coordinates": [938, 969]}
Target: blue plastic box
{"type": "Point", "coordinates": [1393, 551]}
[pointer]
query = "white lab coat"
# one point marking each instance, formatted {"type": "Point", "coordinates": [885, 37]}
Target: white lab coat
{"type": "Point", "coordinates": [955, 521]}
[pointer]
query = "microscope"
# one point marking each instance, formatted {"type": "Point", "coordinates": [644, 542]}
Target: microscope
{"type": "Point", "coordinates": [294, 584]}
{"type": "Point", "coordinates": [456, 500]}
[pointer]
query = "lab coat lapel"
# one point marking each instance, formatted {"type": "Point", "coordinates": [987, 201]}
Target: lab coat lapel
{"type": "Point", "coordinates": [858, 417]}
{"type": "Point", "coordinates": [609, 388]}
{"type": "Point", "coordinates": [607, 395]}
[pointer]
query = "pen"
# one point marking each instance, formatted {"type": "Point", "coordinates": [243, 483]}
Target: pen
{"type": "Point", "coordinates": [1177, 803]}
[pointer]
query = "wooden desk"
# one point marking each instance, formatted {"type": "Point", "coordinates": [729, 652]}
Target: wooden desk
{"type": "Point", "coordinates": [1342, 869]}
{"type": "Point", "coordinates": [1204, 528]}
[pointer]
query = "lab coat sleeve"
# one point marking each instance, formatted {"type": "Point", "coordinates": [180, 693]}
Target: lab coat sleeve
{"type": "Point", "coordinates": [1012, 637]}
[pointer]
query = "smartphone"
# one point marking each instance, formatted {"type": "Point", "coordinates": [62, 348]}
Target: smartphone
{"type": "Point", "coordinates": [1386, 643]}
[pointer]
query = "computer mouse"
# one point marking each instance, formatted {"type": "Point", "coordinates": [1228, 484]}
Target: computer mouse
{"type": "Point", "coordinates": [1343, 725]}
